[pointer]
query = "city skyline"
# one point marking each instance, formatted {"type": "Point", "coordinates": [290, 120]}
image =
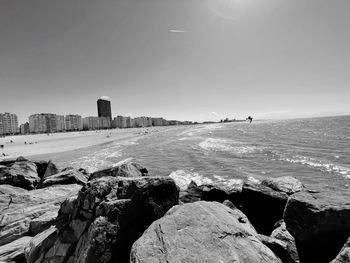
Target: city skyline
{"type": "Point", "coordinates": [187, 59]}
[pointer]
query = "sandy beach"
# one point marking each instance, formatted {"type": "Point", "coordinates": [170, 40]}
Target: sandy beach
{"type": "Point", "coordinates": [41, 144]}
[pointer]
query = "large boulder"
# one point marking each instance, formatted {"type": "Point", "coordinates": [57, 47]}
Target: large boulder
{"type": "Point", "coordinates": [126, 168]}
{"type": "Point", "coordinates": [344, 254]}
{"type": "Point", "coordinates": [320, 223]}
{"type": "Point", "coordinates": [21, 174]}
{"type": "Point", "coordinates": [66, 176]}
{"type": "Point", "coordinates": [263, 205]}
{"type": "Point", "coordinates": [14, 251]}
{"type": "Point", "coordinates": [108, 215]}
{"type": "Point", "coordinates": [25, 211]}
{"type": "Point", "coordinates": [286, 184]}
{"type": "Point", "coordinates": [201, 232]}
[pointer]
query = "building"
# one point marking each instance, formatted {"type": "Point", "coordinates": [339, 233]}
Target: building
{"type": "Point", "coordinates": [37, 123]}
{"type": "Point", "coordinates": [140, 122]}
{"type": "Point", "coordinates": [173, 122]}
{"type": "Point", "coordinates": [104, 123]}
{"type": "Point", "coordinates": [91, 123]}
{"type": "Point", "coordinates": [24, 128]}
{"type": "Point", "coordinates": [8, 123]}
{"type": "Point", "coordinates": [104, 107]}
{"type": "Point", "coordinates": [120, 122]}
{"type": "Point", "coordinates": [73, 122]}
{"type": "Point", "coordinates": [43, 123]}
{"type": "Point", "coordinates": [130, 122]}
{"type": "Point", "coordinates": [60, 123]}
{"type": "Point", "coordinates": [158, 121]}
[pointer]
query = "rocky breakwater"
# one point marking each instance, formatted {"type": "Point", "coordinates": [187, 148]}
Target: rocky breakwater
{"type": "Point", "coordinates": [122, 214]}
{"type": "Point", "coordinates": [27, 206]}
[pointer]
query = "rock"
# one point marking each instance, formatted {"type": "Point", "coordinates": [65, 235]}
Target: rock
{"type": "Point", "coordinates": [67, 176]}
{"type": "Point", "coordinates": [42, 222]}
{"type": "Point", "coordinates": [222, 192]}
{"type": "Point", "coordinates": [97, 245]}
{"type": "Point", "coordinates": [26, 206]}
{"type": "Point", "coordinates": [7, 162]}
{"type": "Point", "coordinates": [21, 159]}
{"type": "Point", "coordinates": [278, 247]}
{"type": "Point", "coordinates": [201, 232]}
{"type": "Point", "coordinates": [229, 204]}
{"type": "Point", "coordinates": [212, 192]}
{"type": "Point", "coordinates": [192, 194]}
{"type": "Point", "coordinates": [319, 222]}
{"type": "Point", "coordinates": [281, 233]}
{"type": "Point", "coordinates": [108, 215]}
{"type": "Point", "coordinates": [263, 206]}
{"type": "Point", "coordinates": [285, 184]}
{"type": "Point", "coordinates": [123, 169]}
{"type": "Point", "coordinates": [344, 254]}
{"type": "Point", "coordinates": [51, 169]}
{"type": "Point", "coordinates": [14, 251]}
{"type": "Point", "coordinates": [22, 174]}
{"type": "Point", "coordinates": [39, 245]}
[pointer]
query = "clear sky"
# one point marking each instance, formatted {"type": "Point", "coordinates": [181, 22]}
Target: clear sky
{"type": "Point", "coordinates": [180, 59]}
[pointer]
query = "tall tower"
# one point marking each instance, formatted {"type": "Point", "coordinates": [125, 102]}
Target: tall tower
{"type": "Point", "coordinates": [104, 107]}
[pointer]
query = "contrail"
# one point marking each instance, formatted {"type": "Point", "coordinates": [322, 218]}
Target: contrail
{"type": "Point", "coordinates": [177, 31]}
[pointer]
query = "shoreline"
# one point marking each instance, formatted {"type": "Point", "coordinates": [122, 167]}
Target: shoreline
{"type": "Point", "coordinates": [58, 146]}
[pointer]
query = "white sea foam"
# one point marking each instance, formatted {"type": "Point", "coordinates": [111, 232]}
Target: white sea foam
{"type": "Point", "coordinates": [228, 182]}
{"type": "Point", "coordinates": [183, 178]}
{"type": "Point", "coordinates": [234, 147]}
{"type": "Point", "coordinates": [319, 164]}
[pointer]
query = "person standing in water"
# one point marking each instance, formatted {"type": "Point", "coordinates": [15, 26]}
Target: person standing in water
{"type": "Point", "coordinates": [250, 119]}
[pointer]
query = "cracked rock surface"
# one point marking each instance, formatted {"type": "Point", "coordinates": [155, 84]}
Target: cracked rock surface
{"type": "Point", "coordinates": [201, 232]}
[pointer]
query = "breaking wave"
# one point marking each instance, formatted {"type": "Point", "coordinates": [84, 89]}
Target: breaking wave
{"type": "Point", "coordinates": [183, 179]}
{"type": "Point", "coordinates": [104, 158]}
{"type": "Point", "coordinates": [234, 147]}
{"type": "Point", "coordinates": [319, 164]}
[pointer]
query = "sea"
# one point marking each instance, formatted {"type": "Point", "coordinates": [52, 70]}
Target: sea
{"type": "Point", "coordinates": [315, 150]}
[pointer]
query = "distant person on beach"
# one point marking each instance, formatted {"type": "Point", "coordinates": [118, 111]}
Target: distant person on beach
{"type": "Point", "coordinates": [250, 119]}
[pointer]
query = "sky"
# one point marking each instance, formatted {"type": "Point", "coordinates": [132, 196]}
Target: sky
{"type": "Point", "coordinates": [185, 59]}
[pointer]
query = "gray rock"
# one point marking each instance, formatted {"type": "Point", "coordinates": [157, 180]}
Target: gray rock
{"type": "Point", "coordinates": [67, 176]}
{"type": "Point", "coordinates": [285, 184]}
{"type": "Point", "coordinates": [21, 174]}
{"type": "Point", "coordinates": [38, 245]}
{"type": "Point", "coordinates": [108, 215]}
{"type": "Point", "coordinates": [123, 169]}
{"type": "Point", "coordinates": [279, 247]}
{"type": "Point", "coordinates": [51, 169]}
{"type": "Point", "coordinates": [26, 206]}
{"type": "Point", "coordinates": [14, 251]}
{"type": "Point", "coordinates": [201, 232]}
{"type": "Point", "coordinates": [281, 233]}
{"type": "Point", "coordinates": [319, 222]}
{"type": "Point", "coordinates": [344, 254]}
{"type": "Point", "coordinates": [42, 222]}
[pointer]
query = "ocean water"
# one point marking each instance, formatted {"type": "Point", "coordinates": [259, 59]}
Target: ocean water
{"type": "Point", "coordinates": [316, 151]}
